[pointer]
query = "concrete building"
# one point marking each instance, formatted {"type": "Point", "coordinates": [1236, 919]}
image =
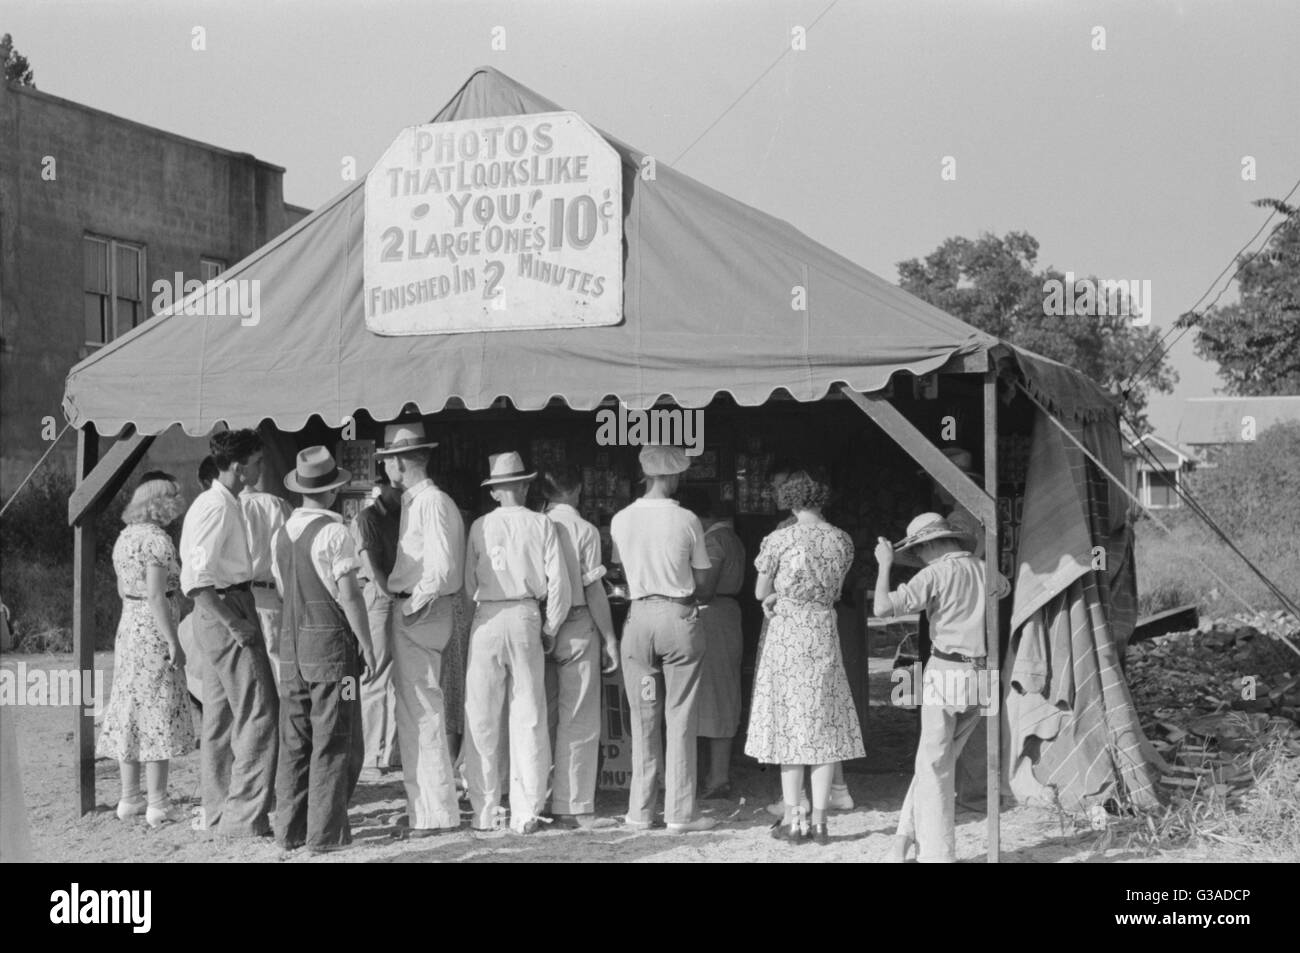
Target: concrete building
{"type": "Point", "coordinates": [94, 209]}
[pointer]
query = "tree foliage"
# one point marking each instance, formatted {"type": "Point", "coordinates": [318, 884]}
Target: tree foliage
{"type": "Point", "coordinates": [1256, 340]}
{"type": "Point", "coordinates": [16, 67]}
{"type": "Point", "coordinates": [993, 283]}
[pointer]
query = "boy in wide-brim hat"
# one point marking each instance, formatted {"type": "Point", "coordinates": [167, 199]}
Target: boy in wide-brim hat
{"type": "Point", "coordinates": [325, 642]}
{"type": "Point", "coordinates": [950, 589]}
{"type": "Point", "coordinates": [512, 562]}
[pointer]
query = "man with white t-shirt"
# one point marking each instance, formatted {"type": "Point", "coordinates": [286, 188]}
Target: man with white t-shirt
{"type": "Point", "coordinates": [661, 547]}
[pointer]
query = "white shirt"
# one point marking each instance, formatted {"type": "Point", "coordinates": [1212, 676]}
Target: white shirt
{"type": "Point", "coordinates": [430, 547]}
{"type": "Point", "coordinates": [514, 553]}
{"type": "Point", "coordinates": [264, 514]}
{"type": "Point", "coordinates": [951, 591]}
{"type": "Point", "coordinates": [214, 542]}
{"type": "Point", "coordinates": [580, 545]}
{"type": "Point", "coordinates": [333, 554]}
{"type": "Point", "coordinates": [658, 543]}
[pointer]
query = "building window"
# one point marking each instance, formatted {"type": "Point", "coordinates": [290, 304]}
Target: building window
{"type": "Point", "coordinates": [113, 288]}
{"type": "Point", "coordinates": [209, 268]}
{"type": "Point", "coordinates": [1162, 489]}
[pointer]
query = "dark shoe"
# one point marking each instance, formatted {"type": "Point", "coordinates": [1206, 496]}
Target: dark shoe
{"type": "Point", "coordinates": [327, 848]}
{"type": "Point", "coordinates": [634, 825]}
{"type": "Point", "coordinates": [788, 833]}
{"type": "Point", "coordinates": [819, 835]}
{"type": "Point", "coordinates": [721, 792]}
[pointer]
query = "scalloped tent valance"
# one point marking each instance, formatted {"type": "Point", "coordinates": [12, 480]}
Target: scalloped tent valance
{"type": "Point", "coordinates": [707, 291]}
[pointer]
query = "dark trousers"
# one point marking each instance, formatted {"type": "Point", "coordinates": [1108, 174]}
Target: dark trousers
{"type": "Point", "coordinates": [322, 749]}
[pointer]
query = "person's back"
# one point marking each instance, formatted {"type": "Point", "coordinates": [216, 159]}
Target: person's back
{"type": "Point", "coordinates": [655, 540]}
{"type": "Point", "coordinates": [951, 591]}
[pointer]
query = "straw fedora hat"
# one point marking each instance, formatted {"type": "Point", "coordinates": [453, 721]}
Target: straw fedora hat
{"type": "Point", "coordinates": [401, 438]}
{"type": "Point", "coordinates": [506, 468]}
{"type": "Point", "coordinates": [663, 461]}
{"type": "Point", "coordinates": [315, 472]}
{"type": "Point", "coordinates": [928, 527]}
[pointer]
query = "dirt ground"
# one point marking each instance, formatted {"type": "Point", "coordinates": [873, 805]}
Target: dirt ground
{"type": "Point", "coordinates": [878, 783]}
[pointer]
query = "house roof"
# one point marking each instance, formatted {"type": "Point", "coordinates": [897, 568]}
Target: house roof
{"type": "Point", "coordinates": [1220, 420]}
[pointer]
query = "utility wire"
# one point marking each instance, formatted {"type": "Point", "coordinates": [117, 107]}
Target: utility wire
{"type": "Point", "coordinates": [32, 471]}
{"type": "Point", "coordinates": [1123, 487]}
{"type": "Point", "coordinates": [1188, 318]}
{"type": "Point", "coordinates": [747, 89]}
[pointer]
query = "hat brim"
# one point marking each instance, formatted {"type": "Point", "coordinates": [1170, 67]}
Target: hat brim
{"type": "Point", "coordinates": [391, 451]}
{"type": "Point", "coordinates": [910, 542]}
{"type": "Point", "coordinates": [291, 483]}
{"type": "Point", "coordinates": [645, 474]}
{"type": "Point", "coordinates": [524, 478]}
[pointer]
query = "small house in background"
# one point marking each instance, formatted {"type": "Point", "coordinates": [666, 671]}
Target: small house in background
{"type": "Point", "coordinates": [1155, 469]}
{"type": "Point", "coordinates": [1211, 422]}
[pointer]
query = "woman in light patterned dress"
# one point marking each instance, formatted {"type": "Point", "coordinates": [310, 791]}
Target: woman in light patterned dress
{"type": "Point", "coordinates": [802, 712]}
{"type": "Point", "coordinates": [148, 715]}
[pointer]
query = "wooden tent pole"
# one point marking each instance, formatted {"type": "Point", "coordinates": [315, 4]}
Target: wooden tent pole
{"type": "Point", "coordinates": [83, 622]}
{"type": "Point", "coordinates": [992, 718]}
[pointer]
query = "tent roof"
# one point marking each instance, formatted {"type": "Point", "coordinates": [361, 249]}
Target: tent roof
{"type": "Point", "coordinates": [707, 292]}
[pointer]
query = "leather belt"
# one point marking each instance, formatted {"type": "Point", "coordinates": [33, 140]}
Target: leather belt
{"type": "Point", "coordinates": [126, 595]}
{"type": "Point", "coordinates": [680, 600]}
{"type": "Point", "coordinates": [263, 585]}
{"type": "Point", "coordinates": [977, 661]}
{"type": "Point", "coordinates": [401, 595]}
{"type": "Point", "coordinates": [237, 587]}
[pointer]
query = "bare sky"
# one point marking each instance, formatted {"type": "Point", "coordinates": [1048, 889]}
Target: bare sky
{"type": "Point", "coordinates": [1123, 163]}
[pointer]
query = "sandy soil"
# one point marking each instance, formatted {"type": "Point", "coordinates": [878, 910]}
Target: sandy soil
{"type": "Point", "coordinates": [877, 783]}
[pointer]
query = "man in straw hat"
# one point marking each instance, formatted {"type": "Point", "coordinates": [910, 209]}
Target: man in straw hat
{"type": "Point", "coordinates": [240, 707]}
{"type": "Point", "coordinates": [512, 562]}
{"type": "Point", "coordinates": [426, 576]}
{"type": "Point", "coordinates": [661, 546]}
{"type": "Point", "coordinates": [325, 641]}
{"type": "Point", "coordinates": [950, 588]}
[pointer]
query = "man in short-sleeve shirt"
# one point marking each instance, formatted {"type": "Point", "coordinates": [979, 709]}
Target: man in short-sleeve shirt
{"type": "Point", "coordinates": [661, 547]}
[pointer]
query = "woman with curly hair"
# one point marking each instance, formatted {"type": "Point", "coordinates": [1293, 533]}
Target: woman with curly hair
{"type": "Point", "coordinates": [148, 714]}
{"type": "Point", "coordinates": [802, 712]}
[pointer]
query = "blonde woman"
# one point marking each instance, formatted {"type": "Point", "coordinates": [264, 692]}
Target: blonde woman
{"type": "Point", "coordinates": [148, 716]}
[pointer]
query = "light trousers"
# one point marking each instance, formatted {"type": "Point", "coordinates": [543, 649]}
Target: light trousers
{"type": "Point", "coordinates": [241, 713]}
{"type": "Point", "coordinates": [506, 670]}
{"type": "Point", "coordinates": [928, 814]}
{"type": "Point", "coordinates": [573, 706]}
{"type": "Point", "coordinates": [378, 691]}
{"type": "Point", "coordinates": [270, 607]}
{"type": "Point", "coordinates": [662, 649]}
{"type": "Point", "coordinates": [418, 642]}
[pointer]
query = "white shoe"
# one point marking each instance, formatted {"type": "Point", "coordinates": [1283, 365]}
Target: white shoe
{"type": "Point", "coordinates": [841, 799]}
{"type": "Point", "coordinates": [699, 824]}
{"type": "Point", "coordinates": [132, 807]}
{"type": "Point", "coordinates": [777, 808]}
{"type": "Point", "coordinates": [164, 813]}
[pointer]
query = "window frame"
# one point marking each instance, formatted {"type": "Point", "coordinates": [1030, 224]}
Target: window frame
{"type": "Point", "coordinates": [109, 321]}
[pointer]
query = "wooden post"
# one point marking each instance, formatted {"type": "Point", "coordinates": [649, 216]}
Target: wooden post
{"type": "Point", "coordinates": [83, 622]}
{"type": "Point", "coordinates": [992, 614]}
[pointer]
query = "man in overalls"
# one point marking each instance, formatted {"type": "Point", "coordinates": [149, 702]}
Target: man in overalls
{"type": "Point", "coordinates": [323, 627]}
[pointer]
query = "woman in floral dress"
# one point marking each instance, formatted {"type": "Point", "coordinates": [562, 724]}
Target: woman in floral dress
{"type": "Point", "coordinates": [148, 716]}
{"type": "Point", "coordinates": [802, 712]}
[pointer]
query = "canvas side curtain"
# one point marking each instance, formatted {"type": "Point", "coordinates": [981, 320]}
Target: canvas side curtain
{"type": "Point", "coordinates": [1074, 733]}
